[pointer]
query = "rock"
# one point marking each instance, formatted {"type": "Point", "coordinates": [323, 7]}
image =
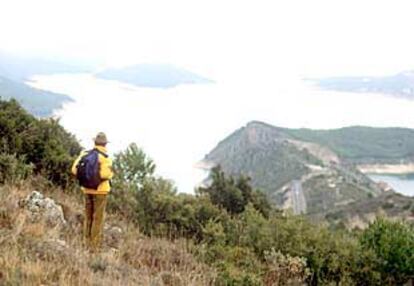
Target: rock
{"type": "Point", "coordinates": [41, 207]}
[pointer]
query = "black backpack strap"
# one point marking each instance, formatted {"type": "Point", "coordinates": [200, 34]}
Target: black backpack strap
{"type": "Point", "coordinates": [100, 152]}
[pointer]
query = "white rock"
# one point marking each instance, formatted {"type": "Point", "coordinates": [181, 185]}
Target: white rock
{"type": "Point", "coordinates": [40, 206]}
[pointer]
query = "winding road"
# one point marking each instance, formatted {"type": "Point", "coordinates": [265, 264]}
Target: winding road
{"type": "Point", "coordinates": [298, 198]}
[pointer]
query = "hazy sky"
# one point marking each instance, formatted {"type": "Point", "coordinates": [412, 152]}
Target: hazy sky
{"type": "Point", "coordinates": [224, 40]}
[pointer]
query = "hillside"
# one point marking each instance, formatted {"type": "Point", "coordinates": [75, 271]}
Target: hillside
{"type": "Point", "coordinates": [398, 85]}
{"type": "Point", "coordinates": [40, 244]}
{"type": "Point", "coordinates": [15, 70]}
{"type": "Point", "coordinates": [363, 145]}
{"type": "Point", "coordinates": [361, 213]}
{"type": "Point", "coordinates": [38, 102]}
{"type": "Point", "coordinates": [225, 234]}
{"type": "Point", "coordinates": [311, 170]}
{"type": "Point", "coordinates": [263, 153]}
{"type": "Point", "coordinates": [153, 75]}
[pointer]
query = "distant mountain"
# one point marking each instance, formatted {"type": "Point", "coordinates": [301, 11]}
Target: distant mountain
{"type": "Point", "coordinates": [153, 75]}
{"type": "Point", "coordinates": [21, 68]}
{"type": "Point", "coordinates": [38, 102]}
{"type": "Point", "coordinates": [399, 85]}
{"type": "Point", "coordinates": [15, 70]}
{"type": "Point", "coordinates": [311, 170]}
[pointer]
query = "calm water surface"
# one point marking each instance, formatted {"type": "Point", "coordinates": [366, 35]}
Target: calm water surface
{"type": "Point", "coordinates": [403, 184]}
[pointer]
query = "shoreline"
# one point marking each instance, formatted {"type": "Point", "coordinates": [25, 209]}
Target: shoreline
{"type": "Point", "coordinates": [387, 169]}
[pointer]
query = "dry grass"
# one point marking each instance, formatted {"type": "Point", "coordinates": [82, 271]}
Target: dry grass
{"type": "Point", "coordinates": [34, 253]}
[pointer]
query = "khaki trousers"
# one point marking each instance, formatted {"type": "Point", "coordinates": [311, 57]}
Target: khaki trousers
{"type": "Point", "coordinates": [94, 220]}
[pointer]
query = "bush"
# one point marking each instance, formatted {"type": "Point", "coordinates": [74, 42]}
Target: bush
{"type": "Point", "coordinates": [284, 269]}
{"type": "Point", "coordinates": [13, 169]}
{"type": "Point", "coordinates": [391, 245]}
{"type": "Point", "coordinates": [42, 144]}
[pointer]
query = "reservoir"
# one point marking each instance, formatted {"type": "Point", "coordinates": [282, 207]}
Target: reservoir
{"type": "Point", "coordinates": [403, 184]}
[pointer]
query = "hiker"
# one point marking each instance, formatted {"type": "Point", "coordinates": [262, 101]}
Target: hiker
{"type": "Point", "coordinates": [93, 170]}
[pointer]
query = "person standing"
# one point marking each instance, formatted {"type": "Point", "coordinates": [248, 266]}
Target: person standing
{"type": "Point", "coordinates": [93, 170]}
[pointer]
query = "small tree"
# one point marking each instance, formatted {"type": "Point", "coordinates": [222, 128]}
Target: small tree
{"type": "Point", "coordinates": [224, 192]}
{"type": "Point", "coordinates": [234, 194]}
{"type": "Point", "coordinates": [132, 168]}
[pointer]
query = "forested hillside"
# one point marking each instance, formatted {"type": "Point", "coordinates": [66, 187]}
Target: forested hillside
{"type": "Point", "coordinates": [363, 144]}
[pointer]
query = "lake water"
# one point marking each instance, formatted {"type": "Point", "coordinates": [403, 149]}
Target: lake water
{"type": "Point", "coordinates": [403, 184]}
{"type": "Point", "coordinates": [178, 126]}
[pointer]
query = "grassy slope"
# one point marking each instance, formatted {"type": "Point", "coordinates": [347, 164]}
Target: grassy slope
{"type": "Point", "coordinates": [31, 256]}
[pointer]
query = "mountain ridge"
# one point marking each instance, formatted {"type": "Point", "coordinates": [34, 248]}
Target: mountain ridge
{"type": "Point", "coordinates": [16, 70]}
{"type": "Point", "coordinates": [292, 164]}
{"type": "Point", "coordinates": [36, 101]}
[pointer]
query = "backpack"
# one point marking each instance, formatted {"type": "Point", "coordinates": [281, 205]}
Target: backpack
{"type": "Point", "coordinates": [88, 169]}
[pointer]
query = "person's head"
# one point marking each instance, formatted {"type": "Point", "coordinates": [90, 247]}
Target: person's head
{"type": "Point", "coordinates": [100, 139]}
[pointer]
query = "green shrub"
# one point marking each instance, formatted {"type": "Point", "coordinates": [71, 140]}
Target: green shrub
{"type": "Point", "coordinates": [13, 169]}
{"type": "Point", "coordinates": [42, 144]}
{"type": "Point", "coordinates": [284, 269]}
{"type": "Point", "coordinates": [388, 205]}
{"type": "Point", "coordinates": [391, 245]}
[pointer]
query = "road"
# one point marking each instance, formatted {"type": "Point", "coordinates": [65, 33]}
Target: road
{"type": "Point", "coordinates": [298, 198]}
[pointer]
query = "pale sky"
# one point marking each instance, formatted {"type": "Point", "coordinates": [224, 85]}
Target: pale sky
{"type": "Point", "coordinates": [224, 40]}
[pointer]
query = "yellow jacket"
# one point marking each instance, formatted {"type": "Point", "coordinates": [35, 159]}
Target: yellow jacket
{"type": "Point", "coordinates": [105, 172]}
